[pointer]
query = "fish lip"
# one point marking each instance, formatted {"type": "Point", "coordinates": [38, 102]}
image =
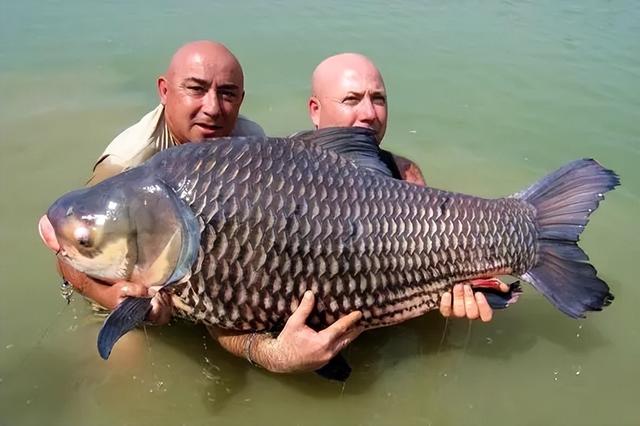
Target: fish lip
{"type": "Point", "coordinates": [48, 235]}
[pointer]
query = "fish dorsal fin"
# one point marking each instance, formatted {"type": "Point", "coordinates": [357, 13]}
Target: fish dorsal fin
{"type": "Point", "coordinates": [357, 144]}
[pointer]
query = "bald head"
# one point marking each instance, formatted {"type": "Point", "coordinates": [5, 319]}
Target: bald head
{"type": "Point", "coordinates": [202, 91]}
{"type": "Point", "coordinates": [344, 65]}
{"type": "Point", "coordinates": [204, 53]}
{"type": "Point", "coordinates": [348, 90]}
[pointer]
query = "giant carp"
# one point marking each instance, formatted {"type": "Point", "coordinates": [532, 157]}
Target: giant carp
{"type": "Point", "coordinates": [239, 228]}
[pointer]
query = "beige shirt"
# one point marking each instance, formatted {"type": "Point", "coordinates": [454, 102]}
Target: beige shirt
{"type": "Point", "coordinates": [146, 138]}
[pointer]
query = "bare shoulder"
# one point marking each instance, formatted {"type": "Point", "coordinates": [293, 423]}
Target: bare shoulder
{"type": "Point", "coordinates": [409, 170]}
{"type": "Point", "coordinates": [246, 127]}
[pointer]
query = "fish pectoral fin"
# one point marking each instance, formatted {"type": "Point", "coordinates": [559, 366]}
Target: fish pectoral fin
{"type": "Point", "coordinates": [127, 316]}
{"type": "Point", "coordinates": [357, 144]}
{"type": "Point", "coordinates": [499, 299]}
{"type": "Point", "coordinates": [337, 369]}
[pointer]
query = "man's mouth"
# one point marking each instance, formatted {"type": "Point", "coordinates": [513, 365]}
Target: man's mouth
{"type": "Point", "coordinates": [367, 126]}
{"type": "Point", "coordinates": [209, 130]}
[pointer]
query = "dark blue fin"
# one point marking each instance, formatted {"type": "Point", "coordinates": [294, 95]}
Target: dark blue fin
{"type": "Point", "coordinates": [357, 144]}
{"type": "Point", "coordinates": [127, 316]}
{"type": "Point", "coordinates": [500, 300]}
{"type": "Point", "coordinates": [564, 200]}
{"type": "Point", "coordinates": [337, 369]}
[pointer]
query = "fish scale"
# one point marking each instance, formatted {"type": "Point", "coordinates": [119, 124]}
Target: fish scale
{"type": "Point", "coordinates": [315, 220]}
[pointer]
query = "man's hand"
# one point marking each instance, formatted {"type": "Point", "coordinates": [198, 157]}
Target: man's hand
{"type": "Point", "coordinates": [298, 347]}
{"type": "Point", "coordinates": [161, 309]}
{"type": "Point", "coordinates": [107, 296]}
{"type": "Point", "coordinates": [110, 296]}
{"type": "Point", "coordinates": [301, 348]}
{"type": "Point", "coordinates": [468, 304]}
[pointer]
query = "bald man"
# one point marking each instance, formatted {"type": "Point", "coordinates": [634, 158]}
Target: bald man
{"type": "Point", "coordinates": [348, 90]}
{"type": "Point", "coordinates": [200, 97]}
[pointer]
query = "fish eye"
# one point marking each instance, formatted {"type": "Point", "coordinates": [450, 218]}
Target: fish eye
{"type": "Point", "coordinates": [83, 237]}
{"type": "Point", "coordinates": [84, 241]}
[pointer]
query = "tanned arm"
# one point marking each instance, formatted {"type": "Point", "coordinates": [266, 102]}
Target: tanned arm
{"type": "Point", "coordinates": [298, 347]}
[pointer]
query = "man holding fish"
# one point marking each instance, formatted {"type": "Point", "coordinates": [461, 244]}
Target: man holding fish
{"type": "Point", "coordinates": [201, 94]}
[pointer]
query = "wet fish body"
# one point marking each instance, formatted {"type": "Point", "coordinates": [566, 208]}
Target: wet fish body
{"type": "Point", "coordinates": [358, 240]}
{"type": "Point", "coordinates": [251, 224]}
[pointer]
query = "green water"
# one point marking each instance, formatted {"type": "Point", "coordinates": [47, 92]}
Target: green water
{"type": "Point", "coordinates": [485, 96]}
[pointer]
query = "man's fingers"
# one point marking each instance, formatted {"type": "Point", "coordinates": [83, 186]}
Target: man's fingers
{"type": "Point", "coordinates": [445, 304]}
{"type": "Point", "coordinates": [301, 314]}
{"type": "Point", "coordinates": [155, 289]}
{"type": "Point", "coordinates": [339, 328]}
{"type": "Point", "coordinates": [458, 301]}
{"type": "Point", "coordinates": [128, 289]}
{"type": "Point", "coordinates": [486, 313]}
{"type": "Point", "coordinates": [347, 338]}
{"type": "Point", "coordinates": [498, 284]}
{"type": "Point", "coordinates": [161, 309]}
{"type": "Point", "coordinates": [491, 283]}
{"type": "Point", "coordinates": [470, 305]}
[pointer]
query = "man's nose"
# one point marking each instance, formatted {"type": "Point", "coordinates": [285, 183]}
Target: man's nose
{"type": "Point", "coordinates": [366, 111]}
{"type": "Point", "coordinates": [211, 104]}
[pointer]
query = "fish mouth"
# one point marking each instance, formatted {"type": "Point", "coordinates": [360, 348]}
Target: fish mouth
{"type": "Point", "coordinates": [48, 234]}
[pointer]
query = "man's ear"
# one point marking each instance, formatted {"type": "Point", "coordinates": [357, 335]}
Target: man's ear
{"type": "Point", "coordinates": [314, 111]}
{"type": "Point", "coordinates": [242, 97]}
{"type": "Point", "coordinates": [163, 86]}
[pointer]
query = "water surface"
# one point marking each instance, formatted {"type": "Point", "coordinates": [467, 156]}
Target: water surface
{"type": "Point", "coordinates": [485, 97]}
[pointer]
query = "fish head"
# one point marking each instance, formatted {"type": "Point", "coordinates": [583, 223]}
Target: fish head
{"type": "Point", "coordinates": [130, 227]}
{"type": "Point", "coordinates": [95, 233]}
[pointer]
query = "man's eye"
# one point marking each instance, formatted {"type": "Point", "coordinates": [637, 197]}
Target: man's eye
{"type": "Point", "coordinates": [228, 95]}
{"type": "Point", "coordinates": [379, 100]}
{"type": "Point", "coordinates": [351, 100]}
{"type": "Point", "coordinates": [196, 89]}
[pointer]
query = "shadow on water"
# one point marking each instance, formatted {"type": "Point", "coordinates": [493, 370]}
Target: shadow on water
{"type": "Point", "coordinates": [224, 375]}
{"type": "Point", "coordinates": [512, 332]}
{"type": "Point", "coordinates": [537, 320]}
{"type": "Point", "coordinates": [221, 379]}
{"type": "Point", "coordinates": [373, 352]}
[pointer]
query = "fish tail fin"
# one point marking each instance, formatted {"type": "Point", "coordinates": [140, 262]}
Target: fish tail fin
{"type": "Point", "coordinates": [127, 316]}
{"type": "Point", "coordinates": [564, 200]}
